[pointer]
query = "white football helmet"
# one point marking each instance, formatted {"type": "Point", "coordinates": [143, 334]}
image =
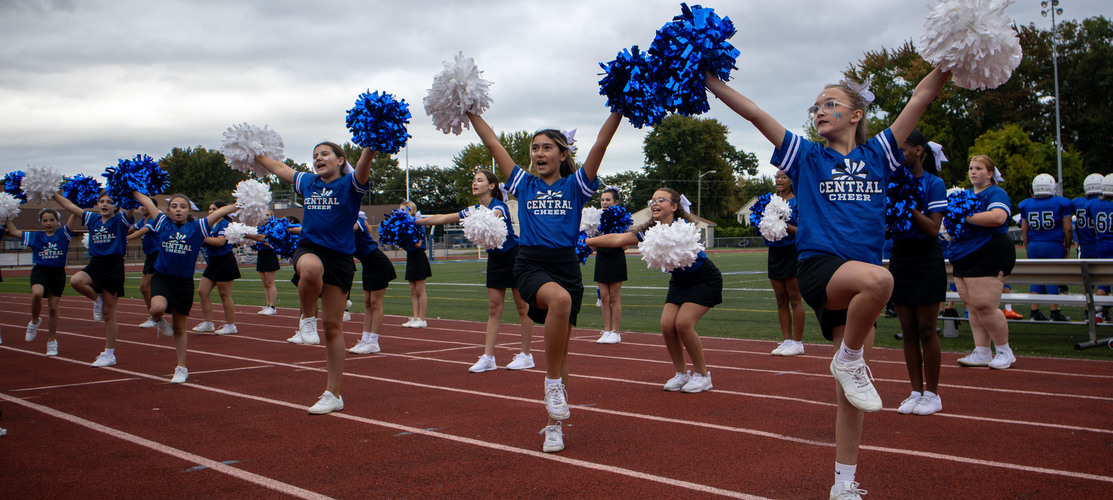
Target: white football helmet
{"type": "Point", "coordinates": [1043, 185]}
{"type": "Point", "coordinates": [1092, 184]}
{"type": "Point", "coordinates": [1107, 185]}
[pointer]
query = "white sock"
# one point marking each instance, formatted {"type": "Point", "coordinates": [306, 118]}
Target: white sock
{"type": "Point", "coordinates": [844, 473]}
{"type": "Point", "coordinates": [110, 352]}
{"type": "Point", "coordinates": [1004, 348]}
{"type": "Point", "coordinates": [553, 381]}
{"type": "Point", "coordinates": [368, 336]}
{"type": "Point", "coordinates": [847, 354]}
{"type": "Point", "coordinates": [929, 393]}
{"type": "Point", "coordinates": [1008, 307]}
{"type": "Point", "coordinates": [982, 351]}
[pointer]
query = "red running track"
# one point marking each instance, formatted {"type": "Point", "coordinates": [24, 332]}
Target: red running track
{"type": "Point", "coordinates": [417, 425]}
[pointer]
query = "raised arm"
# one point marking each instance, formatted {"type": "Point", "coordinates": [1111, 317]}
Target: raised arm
{"type": "Point", "coordinates": [363, 166]}
{"type": "Point", "coordinates": [138, 233]}
{"type": "Point", "coordinates": [12, 230]}
{"type": "Point", "coordinates": [280, 169]}
{"type": "Point", "coordinates": [924, 93]}
{"type": "Point", "coordinates": [220, 213]}
{"type": "Point", "coordinates": [491, 140]}
{"type": "Point", "coordinates": [614, 240]}
{"type": "Point", "coordinates": [68, 205]}
{"type": "Point", "coordinates": [146, 202]}
{"type": "Point", "coordinates": [769, 127]}
{"type": "Point", "coordinates": [436, 220]}
{"type": "Point", "coordinates": [595, 157]}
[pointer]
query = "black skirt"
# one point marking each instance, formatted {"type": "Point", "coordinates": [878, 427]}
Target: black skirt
{"type": "Point", "coordinates": [339, 268]}
{"type": "Point", "coordinates": [781, 262]}
{"type": "Point", "coordinates": [536, 266]}
{"type": "Point", "coordinates": [107, 273]}
{"type": "Point", "coordinates": [610, 265]}
{"type": "Point", "coordinates": [378, 272]}
{"type": "Point", "coordinates": [178, 292]}
{"type": "Point", "coordinates": [52, 279]}
{"type": "Point", "coordinates": [919, 275]}
{"type": "Point", "coordinates": [222, 268]}
{"type": "Point", "coordinates": [266, 261]}
{"type": "Point", "coordinates": [149, 263]}
{"type": "Point", "coordinates": [417, 266]}
{"type": "Point", "coordinates": [704, 286]}
{"type": "Point", "coordinates": [500, 268]}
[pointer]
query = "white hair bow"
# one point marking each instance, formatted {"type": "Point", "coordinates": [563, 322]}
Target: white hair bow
{"type": "Point", "coordinates": [937, 150]}
{"type": "Point", "coordinates": [608, 188]}
{"type": "Point", "coordinates": [570, 137]}
{"type": "Point", "coordinates": [863, 89]}
{"type": "Point", "coordinates": [505, 192]}
{"type": "Point", "coordinates": [686, 204]}
{"type": "Point", "coordinates": [997, 175]}
{"type": "Point", "coordinates": [347, 168]}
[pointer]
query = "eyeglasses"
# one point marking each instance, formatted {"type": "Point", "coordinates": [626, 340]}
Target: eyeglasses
{"type": "Point", "coordinates": [653, 201]}
{"type": "Point", "coordinates": [828, 106]}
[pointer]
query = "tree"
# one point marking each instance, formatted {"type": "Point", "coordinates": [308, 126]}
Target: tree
{"type": "Point", "coordinates": [387, 178]}
{"type": "Point", "coordinates": [1086, 91]}
{"type": "Point", "coordinates": [201, 174]}
{"type": "Point", "coordinates": [627, 183]}
{"type": "Point", "coordinates": [475, 156]}
{"type": "Point", "coordinates": [1020, 159]}
{"type": "Point", "coordinates": [433, 191]}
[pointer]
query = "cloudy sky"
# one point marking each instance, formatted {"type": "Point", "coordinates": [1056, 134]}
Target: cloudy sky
{"type": "Point", "coordinates": [85, 82]}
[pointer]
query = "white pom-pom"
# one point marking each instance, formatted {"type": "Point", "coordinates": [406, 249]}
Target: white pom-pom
{"type": "Point", "coordinates": [242, 143]}
{"type": "Point", "coordinates": [457, 90]}
{"type": "Point", "coordinates": [671, 246]}
{"type": "Point", "coordinates": [974, 40]}
{"type": "Point", "coordinates": [774, 221]}
{"type": "Point", "coordinates": [589, 221]}
{"type": "Point", "coordinates": [484, 228]}
{"type": "Point", "coordinates": [85, 240]}
{"type": "Point", "coordinates": [9, 207]}
{"type": "Point", "coordinates": [236, 232]}
{"type": "Point", "coordinates": [253, 198]}
{"type": "Point", "coordinates": [40, 184]}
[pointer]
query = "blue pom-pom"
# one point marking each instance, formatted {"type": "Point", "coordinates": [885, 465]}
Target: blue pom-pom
{"type": "Point", "coordinates": [141, 173]}
{"type": "Point", "coordinates": [631, 89]}
{"type": "Point", "coordinates": [400, 230]}
{"type": "Point", "coordinates": [615, 219]}
{"type": "Point", "coordinates": [379, 122]}
{"type": "Point", "coordinates": [904, 193]}
{"type": "Point", "coordinates": [278, 235]}
{"type": "Point", "coordinates": [13, 182]}
{"type": "Point", "coordinates": [583, 251]}
{"type": "Point", "coordinates": [81, 190]}
{"type": "Point", "coordinates": [960, 205]}
{"type": "Point", "coordinates": [692, 44]}
{"type": "Point", "coordinates": [757, 210]}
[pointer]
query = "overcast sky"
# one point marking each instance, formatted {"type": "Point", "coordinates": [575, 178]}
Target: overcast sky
{"type": "Point", "coordinates": [85, 82]}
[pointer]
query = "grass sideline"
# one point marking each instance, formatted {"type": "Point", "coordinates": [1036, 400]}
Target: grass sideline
{"type": "Point", "coordinates": [456, 291]}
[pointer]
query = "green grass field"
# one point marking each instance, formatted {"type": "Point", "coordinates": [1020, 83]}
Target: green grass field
{"type": "Point", "coordinates": [748, 310]}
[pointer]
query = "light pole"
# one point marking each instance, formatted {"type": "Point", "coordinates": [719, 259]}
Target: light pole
{"type": "Point", "coordinates": [699, 193]}
{"type": "Point", "coordinates": [1054, 9]}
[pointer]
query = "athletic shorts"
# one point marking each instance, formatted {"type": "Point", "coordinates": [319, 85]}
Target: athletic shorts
{"type": "Point", "coordinates": [52, 279]}
{"type": "Point", "coordinates": [178, 292]}
{"type": "Point", "coordinates": [107, 273]}
{"type": "Point", "coordinates": [537, 266]}
{"type": "Point", "coordinates": [339, 268]}
{"type": "Point", "coordinates": [998, 255]}
{"type": "Point", "coordinates": [149, 262]}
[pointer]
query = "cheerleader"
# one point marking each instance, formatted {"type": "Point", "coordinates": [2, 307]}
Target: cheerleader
{"type": "Point", "coordinates": [610, 272]}
{"type": "Point", "coordinates": [500, 273]}
{"type": "Point", "coordinates": [417, 269]}
{"type": "Point", "coordinates": [547, 270]}
{"type": "Point", "coordinates": [841, 186]}
{"type": "Point", "coordinates": [221, 270]}
{"type": "Point", "coordinates": [920, 278]}
{"type": "Point", "coordinates": [266, 264]}
{"type": "Point", "coordinates": [378, 272]}
{"type": "Point", "coordinates": [48, 275]}
{"type": "Point", "coordinates": [693, 291]}
{"type": "Point", "coordinates": [102, 281]}
{"type": "Point", "coordinates": [150, 250]}
{"type": "Point", "coordinates": [181, 240]}
{"type": "Point", "coordinates": [323, 265]}
{"type": "Point", "coordinates": [781, 268]}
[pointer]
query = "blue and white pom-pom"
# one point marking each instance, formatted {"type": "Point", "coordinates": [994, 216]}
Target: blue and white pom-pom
{"type": "Point", "coordinates": [400, 230]}
{"type": "Point", "coordinates": [236, 232]}
{"type": "Point", "coordinates": [757, 210]}
{"type": "Point", "coordinates": [671, 246]}
{"type": "Point", "coordinates": [40, 184]}
{"type": "Point", "coordinates": [615, 219]}
{"type": "Point", "coordinates": [278, 235]}
{"type": "Point", "coordinates": [589, 221]}
{"type": "Point", "coordinates": [583, 250]}
{"type": "Point", "coordinates": [774, 219]}
{"type": "Point", "coordinates": [693, 43]}
{"type": "Point", "coordinates": [974, 40]}
{"type": "Point", "coordinates": [904, 193]}
{"type": "Point", "coordinates": [960, 205]}
{"type": "Point", "coordinates": [9, 207]}
{"type": "Point", "coordinates": [631, 89]}
{"type": "Point", "coordinates": [377, 121]}
{"type": "Point", "coordinates": [141, 173]}
{"type": "Point", "coordinates": [244, 142]}
{"type": "Point", "coordinates": [484, 228]}
{"type": "Point", "coordinates": [12, 185]}
{"type": "Point", "coordinates": [81, 190]}
{"type": "Point", "coordinates": [253, 198]}
{"type": "Point", "coordinates": [456, 91]}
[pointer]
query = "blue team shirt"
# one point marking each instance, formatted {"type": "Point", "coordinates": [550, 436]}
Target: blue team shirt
{"type": "Point", "coordinates": [107, 238]}
{"type": "Point", "coordinates": [331, 210]}
{"type": "Point", "coordinates": [218, 230]}
{"type": "Point", "coordinates": [48, 251]}
{"type": "Point", "coordinates": [549, 215]}
{"type": "Point", "coordinates": [499, 206]}
{"type": "Point", "coordinates": [793, 220]}
{"type": "Point", "coordinates": [1101, 213]}
{"type": "Point", "coordinates": [990, 198]}
{"type": "Point", "coordinates": [1045, 218]}
{"type": "Point", "coordinates": [365, 244]}
{"type": "Point", "coordinates": [933, 202]}
{"type": "Point", "coordinates": [149, 240]}
{"type": "Point", "coordinates": [841, 198]}
{"type": "Point", "coordinates": [1083, 225]}
{"type": "Point", "coordinates": [180, 245]}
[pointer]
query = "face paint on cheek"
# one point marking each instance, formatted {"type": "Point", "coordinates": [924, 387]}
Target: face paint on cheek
{"type": "Point", "coordinates": [838, 116]}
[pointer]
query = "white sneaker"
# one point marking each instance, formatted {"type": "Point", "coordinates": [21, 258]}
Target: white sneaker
{"type": "Point", "coordinates": [846, 490]}
{"type": "Point", "coordinates": [698, 383]}
{"type": "Point", "coordinates": [930, 403]}
{"type": "Point", "coordinates": [98, 308]}
{"type": "Point", "coordinates": [554, 438]}
{"type": "Point", "coordinates": [677, 381]}
{"type": "Point", "coordinates": [973, 359]}
{"type": "Point", "coordinates": [307, 332]}
{"type": "Point", "coordinates": [365, 347]}
{"type": "Point", "coordinates": [33, 329]}
{"type": "Point", "coordinates": [104, 359]}
{"type": "Point", "coordinates": [52, 348]}
{"type": "Point", "coordinates": [521, 361]}
{"type": "Point", "coordinates": [347, 316]}
{"type": "Point", "coordinates": [598, 302]}
{"type": "Point", "coordinates": [150, 323]}
{"type": "Point", "coordinates": [327, 404]}
{"type": "Point", "coordinates": [855, 378]}
{"type": "Point", "coordinates": [611, 337]}
{"type": "Point", "coordinates": [348, 305]}
{"type": "Point", "coordinates": [1002, 360]}
{"type": "Point", "coordinates": [603, 337]}
{"type": "Point", "coordinates": [780, 348]}
{"type": "Point", "coordinates": [419, 323]}
{"type": "Point", "coordinates": [205, 327]}
{"type": "Point", "coordinates": [164, 328]}
{"type": "Point", "coordinates": [181, 373]}
{"type": "Point", "coordinates": [909, 404]}
{"type": "Point", "coordinates": [556, 401]}
{"type": "Point", "coordinates": [485, 364]}
{"type": "Point", "coordinates": [227, 330]}
{"type": "Point", "coordinates": [791, 348]}
{"type": "Point", "coordinates": [409, 323]}
{"type": "Point", "coordinates": [268, 311]}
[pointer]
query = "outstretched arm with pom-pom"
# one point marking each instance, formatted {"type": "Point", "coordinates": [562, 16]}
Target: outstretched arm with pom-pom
{"type": "Point", "coordinates": [616, 240]}
{"type": "Point", "coordinates": [439, 219]}
{"type": "Point", "coordinates": [491, 140]}
{"type": "Point", "coordinates": [69, 206]}
{"type": "Point", "coordinates": [13, 231]}
{"type": "Point", "coordinates": [769, 127]}
{"type": "Point", "coordinates": [924, 93]}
